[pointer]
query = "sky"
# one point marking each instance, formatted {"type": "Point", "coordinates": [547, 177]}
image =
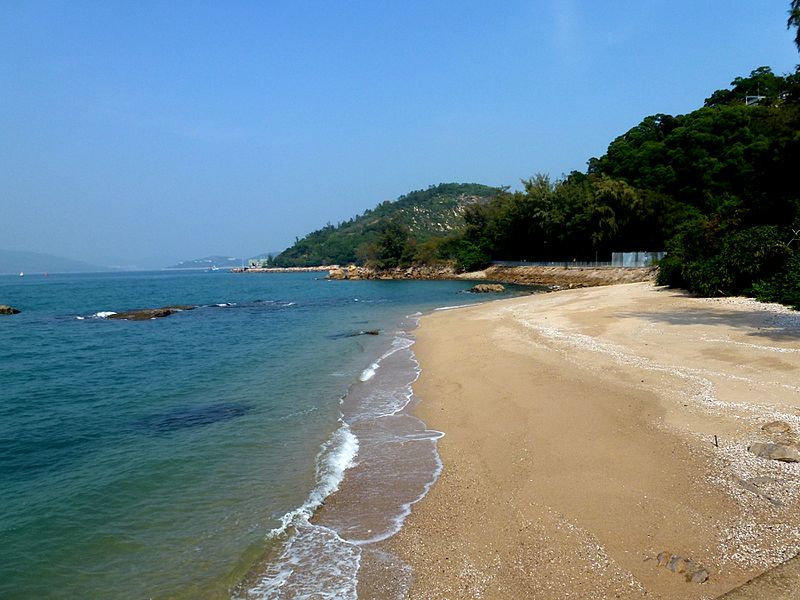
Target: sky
{"type": "Point", "coordinates": [143, 133]}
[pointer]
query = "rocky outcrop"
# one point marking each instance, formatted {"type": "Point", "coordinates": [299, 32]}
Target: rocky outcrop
{"type": "Point", "coordinates": [418, 272]}
{"type": "Point", "coordinates": [553, 277]}
{"type": "Point", "coordinates": [487, 288]}
{"type": "Point", "coordinates": [567, 277]}
{"type": "Point", "coordinates": [144, 314]}
{"type": "Point", "coordinates": [5, 309]}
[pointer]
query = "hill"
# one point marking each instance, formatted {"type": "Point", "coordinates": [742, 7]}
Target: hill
{"type": "Point", "coordinates": [422, 215]}
{"type": "Point", "coordinates": [16, 261]}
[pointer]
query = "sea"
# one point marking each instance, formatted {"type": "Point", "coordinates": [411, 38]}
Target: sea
{"type": "Point", "coordinates": [257, 446]}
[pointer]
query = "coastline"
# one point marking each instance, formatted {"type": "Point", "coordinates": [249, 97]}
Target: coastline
{"type": "Point", "coordinates": [579, 444]}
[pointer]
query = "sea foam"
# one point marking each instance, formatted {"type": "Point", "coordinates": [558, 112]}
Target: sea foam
{"type": "Point", "coordinates": [315, 561]}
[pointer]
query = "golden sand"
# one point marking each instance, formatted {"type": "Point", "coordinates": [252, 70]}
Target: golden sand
{"type": "Point", "coordinates": [580, 443]}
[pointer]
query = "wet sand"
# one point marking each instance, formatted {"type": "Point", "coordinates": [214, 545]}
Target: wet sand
{"type": "Point", "coordinates": [580, 443]}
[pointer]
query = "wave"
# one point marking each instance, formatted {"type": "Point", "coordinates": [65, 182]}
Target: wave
{"type": "Point", "coordinates": [322, 559]}
{"type": "Point", "coordinates": [103, 314]}
{"type": "Point", "coordinates": [315, 560]}
{"type": "Point", "coordinates": [369, 372]}
{"type": "Point", "coordinates": [452, 307]}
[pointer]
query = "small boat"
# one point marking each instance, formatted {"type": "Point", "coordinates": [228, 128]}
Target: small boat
{"type": "Point", "coordinates": [21, 274]}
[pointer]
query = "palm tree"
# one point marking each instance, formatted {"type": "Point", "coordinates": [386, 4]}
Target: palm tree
{"type": "Point", "coordinates": [794, 20]}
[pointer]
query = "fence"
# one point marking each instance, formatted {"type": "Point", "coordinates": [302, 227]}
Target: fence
{"type": "Point", "coordinates": [567, 263]}
{"type": "Point", "coordinates": [635, 259]}
{"type": "Point", "coordinates": [618, 259]}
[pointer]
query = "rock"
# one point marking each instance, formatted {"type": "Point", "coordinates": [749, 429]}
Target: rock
{"type": "Point", "coordinates": [699, 576]}
{"type": "Point", "coordinates": [485, 288]}
{"type": "Point", "coordinates": [5, 309]}
{"type": "Point", "coordinates": [772, 451]}
{"type": "Point", "coordinates": [678, 564]}
{"type": "Point", "coordinates": [353, 272]}
{"type": "Point", "coordinates": [777, 427]}
{"type": "Point", "coordinates": [145, 314]}
{"type": "Point", "coordinates": [337, 273]}
{"type": "Point", "coordinates": [693, 572]}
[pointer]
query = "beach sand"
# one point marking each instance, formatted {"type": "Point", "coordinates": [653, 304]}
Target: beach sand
{"type": "Point", "coordinates": [580, 443]}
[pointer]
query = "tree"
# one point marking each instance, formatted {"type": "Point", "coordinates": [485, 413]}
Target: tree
{"type": "Point", "coordinates": [392, 244]}
{"type": "Point", "coordinates": [794, 21]}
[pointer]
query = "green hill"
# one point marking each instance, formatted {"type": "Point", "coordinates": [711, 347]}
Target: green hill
{"type": "Point", "coordinates": [423, 215]}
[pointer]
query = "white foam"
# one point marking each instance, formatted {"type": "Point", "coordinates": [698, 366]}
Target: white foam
{"type": "Point", "coordinates": [369, 372]}
{"type": "Point", "coordinates": [104, 314]}
{"type": "Point", "coordinates": [452, 307]}
{"type": "Point", "coordinates": [316, 562]}
{"type": "Point", "coordinates": [398, 343]}
{"type": "Point", "coordinates": [335, 456]}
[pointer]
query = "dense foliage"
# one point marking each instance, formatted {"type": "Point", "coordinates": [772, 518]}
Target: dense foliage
{"type": "Point", "coordinates": [392, 233]}
{"type": "Point", "coordinates": [715, 187]}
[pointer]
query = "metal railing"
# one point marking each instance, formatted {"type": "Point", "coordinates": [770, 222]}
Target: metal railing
{"type": "Point", "coordinates": [567, 264]}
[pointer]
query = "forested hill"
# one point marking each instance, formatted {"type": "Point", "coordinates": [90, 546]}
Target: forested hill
{"type": "Point", "coordinates": [418, 218]}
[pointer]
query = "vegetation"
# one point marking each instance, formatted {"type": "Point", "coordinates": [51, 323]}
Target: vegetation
{"type": "Point", "coordinates": [715, 187]}
{"type": "Point", "coordinates": [393, 233]}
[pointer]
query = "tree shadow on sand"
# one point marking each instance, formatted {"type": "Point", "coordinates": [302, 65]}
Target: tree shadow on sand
{"type": "Point", "coordinates": [782, 325]}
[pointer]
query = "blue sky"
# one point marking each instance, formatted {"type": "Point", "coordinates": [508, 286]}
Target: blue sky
{"type": "Point", "coordinates": [142, 133]}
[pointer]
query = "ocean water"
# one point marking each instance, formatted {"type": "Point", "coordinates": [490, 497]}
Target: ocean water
{"type": "Point", "coordinates": [192, 456]}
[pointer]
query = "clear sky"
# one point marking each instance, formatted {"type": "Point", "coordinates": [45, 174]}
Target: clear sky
{"type": "Point", "coordinates": [143, 133]}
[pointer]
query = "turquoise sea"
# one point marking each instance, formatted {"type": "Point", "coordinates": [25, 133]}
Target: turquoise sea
{"type": "Point", "coordinates": [184, 457]}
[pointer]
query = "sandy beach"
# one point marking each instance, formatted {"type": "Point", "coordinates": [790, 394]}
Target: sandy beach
{"type": "Point", "coordinates": [590, 430]}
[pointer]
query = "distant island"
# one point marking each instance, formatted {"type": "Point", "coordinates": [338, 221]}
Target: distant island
{"type": "Point", "coordinates": [209, 262]}
{"type": "Point", "coordinates": [17, 261]}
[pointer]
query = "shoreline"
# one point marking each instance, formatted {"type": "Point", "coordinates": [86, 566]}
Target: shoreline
{"type": "Point", "coordinates": [579, 445]}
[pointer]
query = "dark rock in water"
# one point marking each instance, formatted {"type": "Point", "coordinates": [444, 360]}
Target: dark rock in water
{"type": "Point", "coordinates": [771, 451]}
{"type": "Point", "coordinates": [144, 314]}
{"type": "Point", "coordinates": [486, 288]}
{"type": "Point", "coordinates": [349, 334]}
{"type": "Point", "coordinates": [5, 309]}
{"type": "Point", "coordinates": [183, 418]}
